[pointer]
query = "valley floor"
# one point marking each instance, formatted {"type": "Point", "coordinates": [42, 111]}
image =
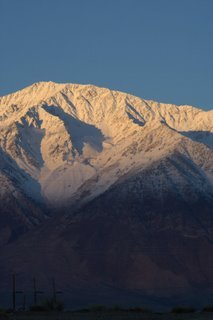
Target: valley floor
{"type": "Point", "coordinates": [112, 316]}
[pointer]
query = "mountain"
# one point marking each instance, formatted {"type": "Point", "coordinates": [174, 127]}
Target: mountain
{"type": "Point", "coordinates": [114, 190]}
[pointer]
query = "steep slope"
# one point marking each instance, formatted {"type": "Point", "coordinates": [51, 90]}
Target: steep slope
{"type": "Point", "coordinates": [19, 211]}
{"type": "Point", "coordinates": [141, 241]}
{"type": "Point", "coordinates": [130, 182]}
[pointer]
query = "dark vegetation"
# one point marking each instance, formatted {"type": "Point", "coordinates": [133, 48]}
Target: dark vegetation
{"type": "Point", "coordinates": [183, 310]}
{"type": "Point", "coordinates": [50, 304]}
{"type": "Point", "coordinates": [115, 308]}
{"type": "Point", "coordinates": [4, 314]}
{"type": "Point", "coordinates": [51, 309]}
{"type": "Point", "coordinates": [208, 309]}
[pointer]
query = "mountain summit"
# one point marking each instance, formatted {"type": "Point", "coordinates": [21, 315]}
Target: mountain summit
{"type": "Point", "coordinates": [63, 135]}
{"type": "Point", "coordinates": [114, 165]}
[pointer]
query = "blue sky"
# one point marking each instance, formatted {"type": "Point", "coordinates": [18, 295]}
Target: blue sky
{"type": "Point", "coordinates": [156, 49]}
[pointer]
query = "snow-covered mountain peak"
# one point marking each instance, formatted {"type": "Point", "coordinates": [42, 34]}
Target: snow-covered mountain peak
{"type": "Point", "coordinates": [63, 136]}
{"type": "Point", "coordinates": [29, 96]}
{"type": "Point", "coordinates": [129, 182]}
{"type": "Point", "coordinates": [90, 103]}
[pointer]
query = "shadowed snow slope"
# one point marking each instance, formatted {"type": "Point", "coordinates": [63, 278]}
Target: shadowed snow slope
{"type": "Point", "coordinates": [113, 167]}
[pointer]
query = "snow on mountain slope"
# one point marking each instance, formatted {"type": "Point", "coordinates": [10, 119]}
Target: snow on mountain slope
{"type": "Point", "coordinates": [66, 136]}
{"type": "Point", "coordinates": [131, 182]}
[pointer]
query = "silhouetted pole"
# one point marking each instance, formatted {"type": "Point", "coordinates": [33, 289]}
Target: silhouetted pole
{"type": "Point", "coordinates": [14, 292]}
{"type": "Point", "coordinates": [34, 291]}
{"type": "Point", "coordinates": [24, 302]}
{"type": "Point", "coordinates": [54, 290]}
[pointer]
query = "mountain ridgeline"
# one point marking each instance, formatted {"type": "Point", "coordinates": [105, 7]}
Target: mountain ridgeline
{"type": "Point", "coordinates": [114, 190]}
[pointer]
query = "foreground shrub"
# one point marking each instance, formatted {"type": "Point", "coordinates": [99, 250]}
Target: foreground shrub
{"type": "Point", "coordinates": [38, 308]}
{"type": "Point", "coordinates": [208, 309]}
{"type": "Point", "coordinates": [48, 305]}
{"type": "Point", "coordinates": [53, 305]}
{"type": "Point", "coordinates": [116, 307]}
{"type": "Point", "coordinates": [3, 314]}
{"type": "Point", "coordinates": [139, 309]}
{"type": "Point", "coordinates": [97, 307]}
{"type": "Point", "coordinates": [183, 310]}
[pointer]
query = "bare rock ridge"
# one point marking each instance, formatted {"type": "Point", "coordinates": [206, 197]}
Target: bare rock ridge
{"type": "Point", "coordinates": [131, 181]}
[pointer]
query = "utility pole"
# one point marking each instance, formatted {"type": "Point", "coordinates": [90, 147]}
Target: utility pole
{"type": "Point", "coordinates": [14, 292]}
{"type": "Point", "coordinates": [54, 290]}
{"type": "Point", "coordinates": [35, 291]}
{"type": "Point", "coordinates": [24, 302]}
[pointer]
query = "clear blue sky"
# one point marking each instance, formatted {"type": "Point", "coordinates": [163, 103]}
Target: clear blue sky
{"type": "Point", "coordinates": [156, 49]}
